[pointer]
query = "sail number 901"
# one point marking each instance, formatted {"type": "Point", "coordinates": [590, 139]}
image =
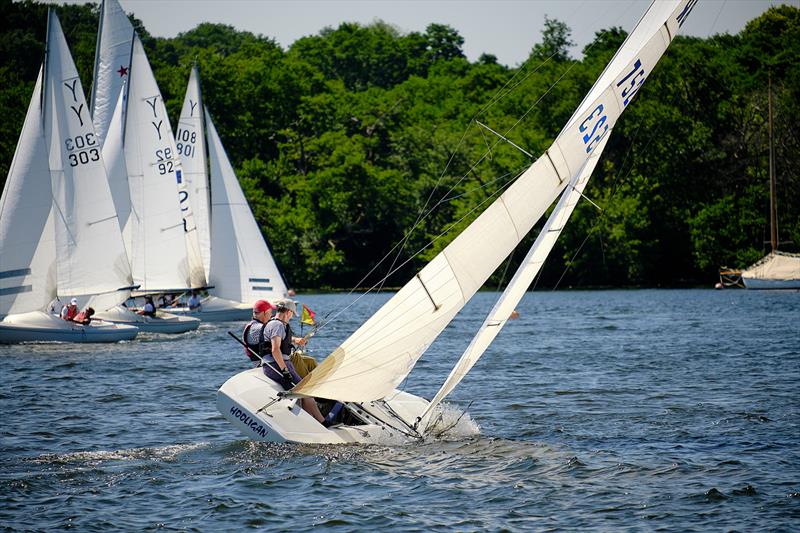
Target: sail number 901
{"type": "Point", "coordinates": [185, 142]}
{"type": "Point", "coordinates": [82, 149]}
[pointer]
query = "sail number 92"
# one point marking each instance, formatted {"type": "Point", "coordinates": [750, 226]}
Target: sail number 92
{"type": "Point", "coordinates": [164, 163]}
{"type": "Point", "coordinates": [82, 149]}
{"type": "Point", "coordinates": [594, 128]}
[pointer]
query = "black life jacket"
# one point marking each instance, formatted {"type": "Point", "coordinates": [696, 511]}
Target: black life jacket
{"type": "Point", "coordinates": [286, 342]}
{"type": "Point", "coordinates": [257, 347]}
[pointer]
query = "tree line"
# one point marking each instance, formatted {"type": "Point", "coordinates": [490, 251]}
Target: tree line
{"type": "Point", "coordinates": [363, 143]}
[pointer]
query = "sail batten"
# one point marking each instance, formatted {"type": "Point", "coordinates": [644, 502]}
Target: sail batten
{"type": "Point", "coordinates": [386, 351]}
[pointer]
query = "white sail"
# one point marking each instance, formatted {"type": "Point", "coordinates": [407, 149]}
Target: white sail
{"type": "Point", "coordinates": [159, 255]}
{"type": "Point", "coordinates": [114, 158]}
{"type": "Point", "coordinates": [91, 257]}
{"type": "Point", "coordinates": [378, 356]}
{"type": "Point", "coordinates": [27, 238]}
{"type": "Point", "coordinates": [191, 145]}
{"type": "Point", "coordinates": [242, 268]}
{"type": "Point", "coordinates": [524, 276]}
{"type": "Point", "coordinates": [112, 64]}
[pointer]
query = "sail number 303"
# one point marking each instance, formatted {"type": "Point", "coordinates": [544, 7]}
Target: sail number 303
{"type": "Point", "coordinates": [82, 149]}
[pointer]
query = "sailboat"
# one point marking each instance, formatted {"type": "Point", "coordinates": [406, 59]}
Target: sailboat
{"type": "Point", "coordinates": [235, 255]}
{"type": "Point", "coordinates": [777, 270]}
{"type": "Point", "coordinates": [364, 371]}
{"type": "Point", "coordinates": [114, 72]}
{"type": "Point", "coordinates": [144, 177]}
{"type": "Point", "coordinates": [59, 235]}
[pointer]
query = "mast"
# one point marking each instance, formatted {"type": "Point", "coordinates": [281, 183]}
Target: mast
{"type": "Point", "coordinates": [773, 197]}
{"type": "Point", "coordinates": [93, 95]}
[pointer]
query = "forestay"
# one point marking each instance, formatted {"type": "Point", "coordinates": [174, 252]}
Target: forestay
{"type": "Point", "coordinates": [111, 64]}
{"type": "Point", "coordinates": [191, 146]}
{"type": "Point", "coordinates": [27, 238]}
{"type": "Point", "coordinates": [242, 268]}
{"type": "Point", "coordinates": [379, 355]}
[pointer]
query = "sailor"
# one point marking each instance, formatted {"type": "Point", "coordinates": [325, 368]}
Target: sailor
{"type": "Point", "coordinates": [149, 308]}
{"type": "Point", "coordinates": [85, 316]}
{"type": "Point", "coordinates": [279, 333]}
{"type": "Point", "coordinates": [194, 301]}
{"type": "Point", "coordinates": [69, 312]}
{"type": "Point", "coordinates": [253, 334]}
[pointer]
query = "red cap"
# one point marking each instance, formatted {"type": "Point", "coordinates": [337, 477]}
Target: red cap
{"type": "Point", "coordinates": [262, 306]}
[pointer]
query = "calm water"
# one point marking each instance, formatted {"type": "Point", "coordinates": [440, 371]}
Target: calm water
{"type": "Point", "coordinates": [608, 410]}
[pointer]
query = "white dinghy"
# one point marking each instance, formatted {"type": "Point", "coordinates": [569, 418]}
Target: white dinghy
{"type": "Point", "coordinates": [59, 235]}
{"type": "Point", "coordinates": [364, 371]}
{"type": "Point", "coordinates": [235, 255]}
{"type": "Point", "coordinates": [144, 174]}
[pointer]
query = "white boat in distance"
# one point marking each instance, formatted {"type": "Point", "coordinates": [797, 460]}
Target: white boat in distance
{"type": "Point", "coordinates": [777, 270]}
{"type": "Point", "coordinates": [364, 371]}
{"type": "Point", "coordinates": [239, 266]}
{"type": "Point", "coordinates": [59, 235]}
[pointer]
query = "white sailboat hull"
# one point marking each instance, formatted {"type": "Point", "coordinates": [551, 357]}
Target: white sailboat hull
{"type": "Point", "coordinates": [38, 326]}
{"type": "Point", "coordinates": [249, 400]}
{"type": "Point", "coordinates": [162, 323]}
{"type": "Point", "coordinates": [214, 309]}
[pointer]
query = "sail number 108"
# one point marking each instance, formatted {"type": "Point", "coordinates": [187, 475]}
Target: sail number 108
{"type": "Point", "coordinates": [184, 142]}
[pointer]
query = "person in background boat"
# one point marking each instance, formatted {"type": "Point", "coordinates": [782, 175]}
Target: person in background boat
{"type": "Point", "coordinates": [69, 312]}
{"type": "Point", "coordinates": [149, 308]}
{"type": "Point", "coordinates": [84, 317]}
{"type": "Point", "coordinates": [279, 333]}
{"type": "Point", "coordinates": [194, 301]}
{"type": "Point", "coordinates": [166, 300]}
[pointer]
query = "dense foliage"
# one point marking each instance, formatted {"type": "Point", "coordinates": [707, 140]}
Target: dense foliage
{"type": "Point", "coordinates": [362, 138]}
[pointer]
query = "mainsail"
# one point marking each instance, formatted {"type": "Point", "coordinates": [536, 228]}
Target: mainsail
{"type": "Point", "coordinates": [242, 268]}
{"type": "Point", "coordinates": [191, 145]}
{"type": "Point", "coordinates": [27, 238]}
{"type": "Point", "coordinates": [381, 353]}
{"type": "Point", "coordinates": [159, 255]}
{"type": "Point", "coordinates": [91, 258]}
{"type": "Point", "coordinates": [111, 64]}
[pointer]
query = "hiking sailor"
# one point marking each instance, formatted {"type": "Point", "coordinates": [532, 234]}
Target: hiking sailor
{"type": "Point", "coordinates": [274, 338]}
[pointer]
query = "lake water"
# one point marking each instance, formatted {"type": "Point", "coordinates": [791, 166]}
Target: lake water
{"type": "Point", "coordinates": [674, 410]}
